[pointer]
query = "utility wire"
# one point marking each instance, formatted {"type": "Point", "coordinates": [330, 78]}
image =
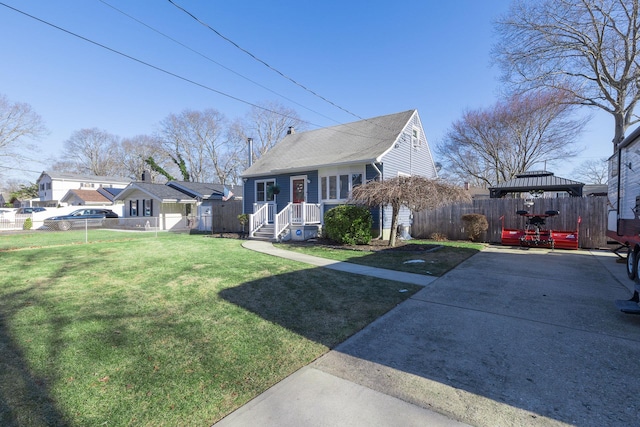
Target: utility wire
{"type": "Point", "coordinates": [261, 61]}
{"type": "Point", "coordinates": [162, 70]}
{"type": "Point", "coordinates": [213, 61]}
{"type": "Point", "coordinates": [185, 79]}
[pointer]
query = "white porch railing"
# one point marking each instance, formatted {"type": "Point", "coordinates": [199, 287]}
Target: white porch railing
{"type": "Point", "coordinates": [258, 218]}
{"type": "Point", "coordinates": [282, 221]}
{"type": "Point", "coordinates": [293, 213]}
{"type": "Point", "coordinates": [271, 210]}
{"type": "Point", "coordinates": [306, 213]}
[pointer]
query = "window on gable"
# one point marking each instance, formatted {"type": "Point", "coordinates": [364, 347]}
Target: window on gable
{"type": "Point", "coordinates": [415, 138]}
{"type": "Point", "coordinates": [133, 208]}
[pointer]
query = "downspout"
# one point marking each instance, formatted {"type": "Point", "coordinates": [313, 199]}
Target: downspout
{"type": "Point", "coordinates": [618, 191]}
{"type": "Point", "coordinates": [373, 164]}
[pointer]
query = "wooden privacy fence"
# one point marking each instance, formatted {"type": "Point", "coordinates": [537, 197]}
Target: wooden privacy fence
{"type": "Point", "coordinates": [225, 216]}
{"type": "Point", "coordinates": [447, 220]}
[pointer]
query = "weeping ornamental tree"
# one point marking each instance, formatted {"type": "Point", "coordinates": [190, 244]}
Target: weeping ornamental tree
{"type": "Point", "coordinates": [414, 192]}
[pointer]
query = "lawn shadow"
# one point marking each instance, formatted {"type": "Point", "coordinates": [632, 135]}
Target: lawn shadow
{"type": "Point", "coordinates": [534, 332]}
{"type": "Point", "coordinates": [323, 305]}
{"type": "Point", "coordinates": [24, 396]}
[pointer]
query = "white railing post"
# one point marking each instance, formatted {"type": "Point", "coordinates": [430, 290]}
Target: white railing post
{"type": "Point", "coordinates": [275, 226]}
{"type": "Point", "coordinates": [251, 229]}
{"type": "Point", "coordinates": [303, 207]}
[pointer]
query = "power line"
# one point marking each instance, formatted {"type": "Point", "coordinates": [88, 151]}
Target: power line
{"type": "Point", "coordinates": [170, 73]}
{"type": "Point", "coordinates": [261, 61]}
{"type": "Point", "coordinates": [213, 61]}
{"type": "Point", "coordinates": [162, 70]}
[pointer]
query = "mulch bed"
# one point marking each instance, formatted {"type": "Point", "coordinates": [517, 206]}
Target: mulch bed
{"type": "Point", "coordinates": [374, 245]}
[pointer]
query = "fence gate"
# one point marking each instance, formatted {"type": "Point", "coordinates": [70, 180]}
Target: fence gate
{"type": "Point", "coordinates": [225, 216]}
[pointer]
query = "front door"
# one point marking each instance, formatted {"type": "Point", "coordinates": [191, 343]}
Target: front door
{"type": "Point", "coordinates": [298, 186]}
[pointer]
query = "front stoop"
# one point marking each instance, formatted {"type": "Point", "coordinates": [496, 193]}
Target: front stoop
{"type": "Point", "coordinates": [264, 233]}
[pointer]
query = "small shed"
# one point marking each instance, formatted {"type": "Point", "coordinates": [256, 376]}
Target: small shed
{"type": "Point", "coordinates": [536, 183]}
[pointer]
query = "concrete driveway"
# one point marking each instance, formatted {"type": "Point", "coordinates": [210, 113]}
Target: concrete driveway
{"type": "Point", "coordinates": [511, 337]}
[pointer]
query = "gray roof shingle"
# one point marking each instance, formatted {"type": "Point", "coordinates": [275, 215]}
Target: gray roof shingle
{"type": "Point", "coordinates": [158, 191]}
{"type": "Point", "coordinates": [363, 141]}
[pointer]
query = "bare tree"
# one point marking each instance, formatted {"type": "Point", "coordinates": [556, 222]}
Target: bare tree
{"type": "Point", "coordinates": [586, 48]}
{"type": "Point", "coordinates": [18, 125]}
{"type": "Point", "coordinates": [487, 147]}
{"type": "Point", "coordinates": [592, 171]}
{"type": "Point", "coordinates": [268, 125]}
{"type": "Point", "coordinates": [133, 153]}
{"type": "Point", "coordinates": [196, 141]}
{"type": "Point", "coordinates": [415, 192]}
{"type": "Point", "coordinates": [92, 151]}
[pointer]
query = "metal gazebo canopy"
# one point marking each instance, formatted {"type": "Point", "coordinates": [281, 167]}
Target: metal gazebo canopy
{"type": "Point", "coordinates": [536, 182]}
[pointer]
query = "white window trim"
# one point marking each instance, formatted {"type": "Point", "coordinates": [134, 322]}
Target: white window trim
{"type": "Point", "coordinates": [416, 141]}
{"type": "Point", "coordinates": [337, 172]}
{"type": "Point", "coordinates": [255, 190]}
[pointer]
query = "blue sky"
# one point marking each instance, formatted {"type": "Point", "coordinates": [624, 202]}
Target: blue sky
{"type": "Point", "coordinates": [369, 57]}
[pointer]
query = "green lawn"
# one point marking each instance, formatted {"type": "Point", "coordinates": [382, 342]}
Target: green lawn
{"type": "Point", "coordinates": [40, 238]}
{"type": "Point", "coordinates": [167, 331]}
{"type": "Point", "coordinates": [443, 257]}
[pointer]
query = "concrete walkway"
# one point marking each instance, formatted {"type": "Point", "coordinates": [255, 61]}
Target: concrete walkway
{"type": "Point", "coordinates": [398, 276]}
{"type": "Point", "coordinates": [511, 337]}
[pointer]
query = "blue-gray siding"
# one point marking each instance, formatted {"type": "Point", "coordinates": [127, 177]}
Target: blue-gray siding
{"type": "Point", "coordinates": [284, 182]}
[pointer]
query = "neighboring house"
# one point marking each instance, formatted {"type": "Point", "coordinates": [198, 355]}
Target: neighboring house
{"type": "Point", "coordinates": [84, 198]}
{"type": "Point", "coordinates": [53, 186]}
{"type": "Point", "coordinates": [3, 200]}
{"type": "Point", "coordinates": [144, 200]}
{"type": "Point", "coordinates": [288, 190]}
{"type": "Point", "coordinates": [109, 192]}
{"type": "Point", "coordinates": [207, 196]}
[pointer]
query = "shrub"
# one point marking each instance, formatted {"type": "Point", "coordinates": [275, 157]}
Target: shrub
{"type": "Point", "coordinates": [475, 224]}
{"type": "Point", "coordinates": [348, 224]}
{"type": "Point", "coordinates": [28, 224]}
{"type": "Point", "coordinates": [438, 237]}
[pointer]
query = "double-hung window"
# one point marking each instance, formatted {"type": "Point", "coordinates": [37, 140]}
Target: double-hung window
{"type": "Point", "coordinates": [263, 194]}
{"type": "Point", "coordinates": [339, 186]}
{"type": "Point", "coordinates": [415, 138]}
{"type": "Point", "coordinates": [133, 208]}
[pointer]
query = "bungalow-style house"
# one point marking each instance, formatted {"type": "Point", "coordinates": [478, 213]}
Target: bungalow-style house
{"type": "Point", "coordinates": [145, 203]}
{"type": "Point", "coordinates": [207, 196]}
{"type": "Point", "coordinates": [53, 186]}
{"type": "Point", "coordinates": [288, 190]}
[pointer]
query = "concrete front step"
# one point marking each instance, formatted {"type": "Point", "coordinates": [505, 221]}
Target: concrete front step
{"type": "Point", "coordinates": [264, 233]}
